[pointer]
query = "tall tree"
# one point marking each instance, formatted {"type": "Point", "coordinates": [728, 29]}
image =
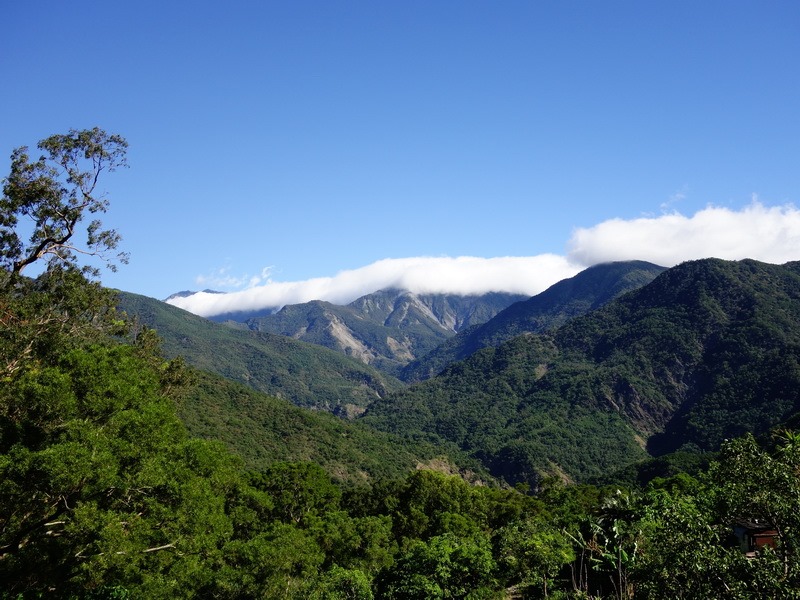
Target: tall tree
{"type": "Point", "coordinates": [56, 192]}
{"type": "Point", "coordinates": [43, 210]}
{"type": "Point", "coordinates": [101, 490]}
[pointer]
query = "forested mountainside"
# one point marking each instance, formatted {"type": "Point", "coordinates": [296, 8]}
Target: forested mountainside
{"type": "Point", "coordinates": [707, 351]}
{"type": "Point", "coordinates": [305, 374]}
{"type": "Point", "coordinates": [565, 300]}
{"type": "Point", "coordinates": [385, 329]}
{"type": "Point", "coordinates": [264, 430]}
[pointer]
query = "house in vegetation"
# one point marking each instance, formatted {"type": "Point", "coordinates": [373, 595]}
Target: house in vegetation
{"type": "Point", "coordinates": [753, 536]}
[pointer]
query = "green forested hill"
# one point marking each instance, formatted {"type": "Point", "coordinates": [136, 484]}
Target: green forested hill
{"type": "Point", "coordinates": [707, 351]}
{"type": "Point", "coordinates": [305, 374]}
{"type": "Point", "coordinates": [565, 300]}
{"type": "Point", "coordinates": [494, 405]}
{"type": "Point", "coordinates": [264, 430]}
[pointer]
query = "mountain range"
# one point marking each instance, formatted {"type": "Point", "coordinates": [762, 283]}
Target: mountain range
{"type": "Point", "coordinates": [622, 362]}
{"type": "Point", "coordinates": [586, 291]}
{"type": "Point", "coordinates": [414, 336]}
{"type": "Point", "coordinates": [386, 329]}
{"type": "Point", "coordinates": [707, 351]}
{"type": "Point", "coordinates": [305, 374]}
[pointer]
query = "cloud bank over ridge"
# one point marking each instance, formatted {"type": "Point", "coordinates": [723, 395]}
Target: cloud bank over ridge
{"type": "Point", "coordinates": [769, 234]}
{"type": "Point", "coordinates": [464, 275]}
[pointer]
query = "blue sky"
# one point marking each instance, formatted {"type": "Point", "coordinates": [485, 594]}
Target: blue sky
{"type": "Point", "coordinates": [313, 138]}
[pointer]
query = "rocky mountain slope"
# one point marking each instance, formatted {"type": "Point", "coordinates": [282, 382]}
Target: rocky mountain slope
{"type": "Point", "coordinates": [386, 329]}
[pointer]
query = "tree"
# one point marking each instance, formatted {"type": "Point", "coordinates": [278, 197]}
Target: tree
{"type": "Point", "coordinates": [533, 551]}
{"type": "Point", "coordinates": [42, 207]}
{"type": "Point", "coordinates": [341, 584]}
{"type": "Point", "coordinates": [446, 566]}
{"type": "Point", "coordinates": [101, 490]}
{"type": "Point", "coordinates": [301, 491]}
{"type": "Point", "coordinates": [686, 554]}
{"type": "Point", "coordinates": [764, 486]}
{"type": "Point", "coordinates": [689, 549]}
{"type": "Point", "coordinates": [56, 193]}
{"type": "Point", "coordinates": [99, 483]}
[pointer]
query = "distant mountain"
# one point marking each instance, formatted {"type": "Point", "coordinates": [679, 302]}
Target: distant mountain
{"type": "Point", "coordinates": [567, 299]}
{"type": "Point", "coordinates": [386, 329]}
{"type": "Point", "coordinates": [708, 350]}
{"type": "Point", "coordinates": [305, 374]}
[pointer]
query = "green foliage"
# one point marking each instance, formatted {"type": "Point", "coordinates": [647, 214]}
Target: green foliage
{"type": "Point", "coordinates": [763, 486]}
{"type": "Point", "coordinates": [39, 318]}
{"type": "Point", "coordinates": [485, 405]}
{"type": "Point", "coordinates": [97, 478]}
{"type": "Point", "coordinates": [264, 430]}
{"type": "Point", "coordinates": [341, 584]}
{"type": "Point", "coordinates": [428, 504]}
{"type": "Point", "coordinates": [533, 551]}
{"type": "Point", "coordinates": [299, 491]}
{"type": "Point", "coordinates": [567, 299]}
{"type": "Point", "coordinates": [446, 566]}
{"type": "Point", "coordinates": [56, 192]}
{"type": "Point", "coordinates": [658, 470]}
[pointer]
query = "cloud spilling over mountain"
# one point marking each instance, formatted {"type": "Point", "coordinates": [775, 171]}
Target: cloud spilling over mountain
{"type": "Point", "coordinates": [770, 234]}
{"type": "Point", "coordinates": [465, 275]}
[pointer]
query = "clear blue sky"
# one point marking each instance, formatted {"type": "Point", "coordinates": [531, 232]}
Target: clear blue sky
{"type": "Point", "coordinates": [313, 137]}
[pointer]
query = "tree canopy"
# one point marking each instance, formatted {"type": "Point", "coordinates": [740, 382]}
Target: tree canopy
{"type": "Point", "coordinates": [55, 193]}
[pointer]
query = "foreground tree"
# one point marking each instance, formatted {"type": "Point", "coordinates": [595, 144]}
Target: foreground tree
{"type": "Point", "coordinates": [99, 482]}
{"type": "Point", "coordinates": [101, 490]}
{"type": "Point", "coordinates": [446, 566]}
{"type": "Point", "coordinates": [55, 193]}
{"type": "Point", "coordinates": [43, 210]}
{"type": "Point", "coordinates": [532, 552]}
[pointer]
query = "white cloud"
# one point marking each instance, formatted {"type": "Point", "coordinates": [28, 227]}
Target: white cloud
{"type": "Point", "coordinates": [462, 275]}
{"type": "Point", "coordinates": [675, 198]}
{"type": "Point", "coordinates": [221, 279]}
{"type": "Point", "coordinates": [770, 234]}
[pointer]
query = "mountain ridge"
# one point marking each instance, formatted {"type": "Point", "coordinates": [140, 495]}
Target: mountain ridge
{"type": "Point", "coordinates": [306, 374]}
{"type": "Point", "coordinates": [705, 352]}
{"type": "Point", "coordinates": [387, 328]}
{"type": "Point", "coordinates": [564, 300]}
